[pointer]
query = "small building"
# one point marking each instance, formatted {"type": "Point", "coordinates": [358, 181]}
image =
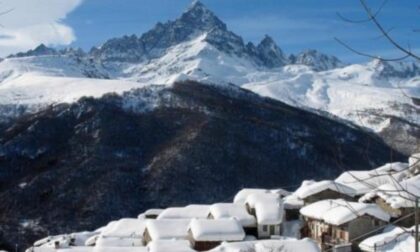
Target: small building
{"type": "Point", "coordinates": [291, 205]}
{"type": "Point", "coordinates": [242, 195]}
{"type": "Point", "coordinates": [166, 229]}
{"type": "Point", "coordinates": [363, 182]}
{"type": "Point", "coordinates": [126, 232]}
{"type": "Point", "coordinates": [237, 211]}
{"type": "Point", "coordinates": [393, 238]}
{"type": "Point", "coordinates": [268, 210]}
{"type": "Point", "coordinates": [397, 199]}
{"type": "Point", "coordinates": [312, 191]}
{"type": "Point", "coordinates": [336, 222]}
{"type": "Point", "coordinates": [206, 234]}
{"type": "Point", "coordinates": [414, 164]}
{"type": "Point", "coordinates": [188, 212]}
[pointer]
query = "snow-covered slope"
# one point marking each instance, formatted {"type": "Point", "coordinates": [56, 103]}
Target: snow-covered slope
{"type": "Point", "coordinates": [199, 46]}
{"type": "Point", "coordinates": [30, 89]}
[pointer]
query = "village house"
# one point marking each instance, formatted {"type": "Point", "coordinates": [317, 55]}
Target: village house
{"type": "Point", "coordinates": [291, 206]}
{"type": "Point", "coordinates": [166, 229]}
{"type": "Point", "coordinates": [312, 191]}
{"type": "Point", "coordinates": [268, 210]}
{"type": "Point", "coordinates": [206, 234]}
{"type": "Point", "coordinates": [243, 194]}
{"type": "Point", "coordinates": [237, 211]}
{"type": "Point", "coordinates": [126, 232]}
{"type": "Point", "coordinates": [414, 164]}
{"type": "Point", "coordinates": [188, 212]}
{"type": "Point", "coordinates": [397, 199]}
{"type": "Point", "coordinates": [338, 222]}
{"type": "Point", "coordinates": [393, 238]}
{"type": "Point", "coordinates": [363, 182]}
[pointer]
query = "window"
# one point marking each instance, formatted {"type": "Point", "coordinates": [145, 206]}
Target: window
{"type": "Point", "coordinates": [272, 229]}
{"type": "Point", "coordinates": [265, 228]}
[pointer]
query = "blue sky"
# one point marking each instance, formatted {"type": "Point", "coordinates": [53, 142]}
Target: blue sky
{"type": "Point", "coordinates": [295, 25]}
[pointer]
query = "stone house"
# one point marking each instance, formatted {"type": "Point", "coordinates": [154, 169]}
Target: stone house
{"type": "Point", "coordinates": [338, 222]}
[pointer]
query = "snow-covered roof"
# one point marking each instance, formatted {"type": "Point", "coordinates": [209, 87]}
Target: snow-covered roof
{"type": "Point", "coordinates": [365, 181]}
{"type": "Point", "coordinates": [312, 188]}
{"type": "Point", "coordinates": [391, 239]}
{"type": "Point", "coordinates": [76, 239]}
{"type": "Point", "coordinates": [116, 249]}
{"type": "Point", "coordinates": [116, 241]}
{"type": "Point", "coordinates": [390, 167]}
{"type": "Point", "coordinates": [292, 202]}
{"type": "Point", "coordinates": [252, 199]}
{"type": "Point", "coordinates": [243, 194]}
{"type": "Point", "coordinates": [397, 195]}
{"type": "Point", "coordinates": [269, 210]}
{"type": "Point", "coordinates": [280, 192]}
{"type": "Point", "coordinates": [217, 230]}
{"type": "Point", "coordinates": [337, 212]}
{"type": "Point", "coordinates": [170, 245]}
{"type": "Point", "coordinates": [126, 227]}
{"type": "Point", "coordinates": [285, 245]}
{"type": "Point", "coordinates": [229, 210]}
{"type": "Point", "coordinates": [188, 212]}
{"type": "Point", "coordinates": [414, 163]}
{"type": "Point", "coordinates": [167, 229]}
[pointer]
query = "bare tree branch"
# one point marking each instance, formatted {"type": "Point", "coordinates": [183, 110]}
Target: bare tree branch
{"type": "Point", "coordinates": [369, 55]}
{"type": "Point", "coordinates": [385, 33]}
{"type": "Point", "coordinates": [363, 20]}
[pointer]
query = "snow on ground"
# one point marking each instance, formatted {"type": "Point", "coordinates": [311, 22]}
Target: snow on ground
{"type": "Point", "coordinates": [31, 89]}
{"type": "Point", "coordinates": [393, 239]}
{"type": "Point", "coordinates": [286, 245]}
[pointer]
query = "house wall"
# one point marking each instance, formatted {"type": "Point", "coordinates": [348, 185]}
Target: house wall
{"type": "Point", "coordinates": [291, 214]}
{"type": "Point", "coordinates": [251, 231]}
{"type": "Point", "coordinates": [363, 225]}
{"type": "Point", "coordinates": [147, 237]}
{"type": "Point", "coordinates": [326, 194]}
{"type": "Point", "coordinates": [329, 235]}
{"type": "Point", "coordinates": [205, 245]}
{"type": "Point", "coordinates": [396, 213]}
{"type": "Point", "coordinates": [316, 229]}
{"type": "Point", "coordinates": [265, 231]}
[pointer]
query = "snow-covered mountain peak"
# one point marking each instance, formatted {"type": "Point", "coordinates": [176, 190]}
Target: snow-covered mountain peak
{"type": "Point", "coordinates": [394, 69]}
{"type": "Point", "coordinates": [316, 60]}
{"type": "Point", "coordinates": [40, 50]}
{"type": "Point", "coordinates": [270, 53]}
{"type": "Point", "coordinates": [201, 17]}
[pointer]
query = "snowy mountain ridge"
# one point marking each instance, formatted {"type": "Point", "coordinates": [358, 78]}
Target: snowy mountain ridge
{"type": "Point", "coordinates": [198, 46]}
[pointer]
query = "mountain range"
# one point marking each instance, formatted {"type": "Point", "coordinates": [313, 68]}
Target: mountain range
{"type": "Point", "coordinates": [86, 137]}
